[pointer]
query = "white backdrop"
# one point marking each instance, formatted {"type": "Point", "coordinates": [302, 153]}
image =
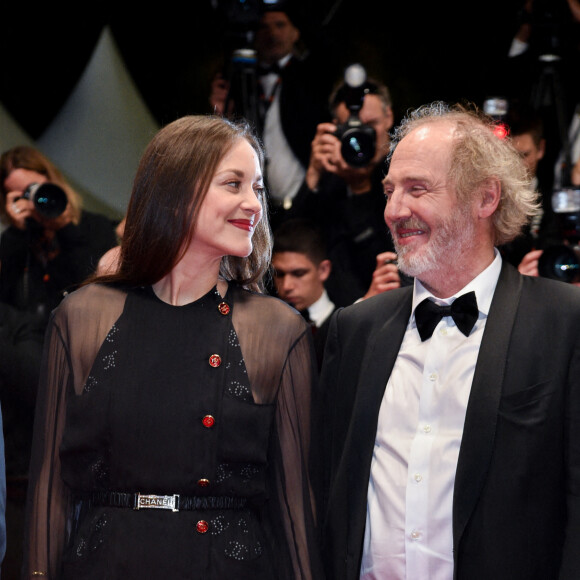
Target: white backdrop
{"type": "Point", "coordinates": [99, 135]}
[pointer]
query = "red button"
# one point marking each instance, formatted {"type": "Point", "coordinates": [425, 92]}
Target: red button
{"type": "Point", "coordinates": [202, 526]}
{"type": "Point", "coordinates": [203, 482]}
{"type": "Point", "coordinates": [208, 421]}
{"type": "Point", "coordinates": [224, 308]}
{"type": "Point", "coordinates": [215, 360]}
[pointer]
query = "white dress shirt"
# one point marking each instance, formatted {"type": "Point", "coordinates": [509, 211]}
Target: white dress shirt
{"type": "Point", "coordinates": [284, 171]}
{"type": "Point", "coordinates": [410, 495]}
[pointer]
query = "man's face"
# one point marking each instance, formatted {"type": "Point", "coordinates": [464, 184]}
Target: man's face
{"type": "Point", "coordinates": [298, 280]}
{"type": "Point", "coordinates": [275, 37]}
{"type": "Point", "coordinates": [530, 152]}
{"type": "Point", "coordinates": [375, 114]}
{"type": "Point", "coordinates": [432, 231]}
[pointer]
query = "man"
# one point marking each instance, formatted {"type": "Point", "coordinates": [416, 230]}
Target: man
{"type": "Point", "coordinates": [527, 135]}
{"type": "Point", "coordinates": [292, 90]}
{"type": "Point", "coordinates": [454, 455]}
{"type": "Point", "coordinates": [301, 271]}
{"type": "Point", "coordinates": [348, 202]}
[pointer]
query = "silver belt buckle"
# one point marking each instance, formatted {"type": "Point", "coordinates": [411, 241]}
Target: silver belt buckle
{"type": "Point", "coordinates": [160, 502]}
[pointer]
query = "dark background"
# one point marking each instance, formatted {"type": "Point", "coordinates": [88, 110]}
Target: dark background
{"type": "Point", "coordinates": [424, 51]}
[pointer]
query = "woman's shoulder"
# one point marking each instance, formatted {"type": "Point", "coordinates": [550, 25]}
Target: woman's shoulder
{"type": "Point", "coordinates": [91, 299]}
{"type": "Point", "coordinates": [268, 308]}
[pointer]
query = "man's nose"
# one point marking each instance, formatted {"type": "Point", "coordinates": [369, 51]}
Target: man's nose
{"type": "Point", "coordinates": [396, 208]}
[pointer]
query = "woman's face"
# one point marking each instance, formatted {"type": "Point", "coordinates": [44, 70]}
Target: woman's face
{"type": "Point", "coordinates": [232, 207]}
{"type": "Point", "coordinates": [19, 179]}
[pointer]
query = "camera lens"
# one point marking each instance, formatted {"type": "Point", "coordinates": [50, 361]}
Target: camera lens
{"type": "Point", "coordinates": [49, 199]}
{"type": "Point", "coordinates": [358, 147]}
{"type": "Point", "coordinates": [560, 263]}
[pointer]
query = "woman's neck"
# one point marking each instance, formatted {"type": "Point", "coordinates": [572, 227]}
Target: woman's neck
{"type": "Point", "coordinates": [187, 283]}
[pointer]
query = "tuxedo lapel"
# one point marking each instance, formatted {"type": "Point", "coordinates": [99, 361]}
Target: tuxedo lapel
{"type": "Point", "coordinates": [376, 367]}
{"type": "Point", "coordinates": [482, 409]}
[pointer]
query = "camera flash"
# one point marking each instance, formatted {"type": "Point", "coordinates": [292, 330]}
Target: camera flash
{"type": "Point", "coordinates": [355, 75]}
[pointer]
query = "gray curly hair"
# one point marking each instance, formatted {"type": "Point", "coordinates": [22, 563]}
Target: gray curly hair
{"type": "Point", "coordinates": [477, 156]}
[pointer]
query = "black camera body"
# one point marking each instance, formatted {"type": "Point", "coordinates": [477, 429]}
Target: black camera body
{"type": "Point", "coordinates": [562, 262]}
{"type": "Point", "coordinates": [49, 199]}
{"type": "Point", "coordinates": [358, 140]}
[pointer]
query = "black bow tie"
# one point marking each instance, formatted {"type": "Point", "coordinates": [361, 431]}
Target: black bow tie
{"type": "Point", "coordinates": [264, 69]}
{"type": "Point", "coordinates": [464, 311]}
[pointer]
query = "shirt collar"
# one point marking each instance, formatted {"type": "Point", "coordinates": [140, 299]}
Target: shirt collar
{"type": "Point", "coordinates": [483, 285]}
{"type": "Point", "coordinates": [320, 310]}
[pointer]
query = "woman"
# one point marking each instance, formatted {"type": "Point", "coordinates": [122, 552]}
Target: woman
{"type": "Point", "coordinates": [44, 256]}
{"type": "Point", "coordinates": [173, 385]}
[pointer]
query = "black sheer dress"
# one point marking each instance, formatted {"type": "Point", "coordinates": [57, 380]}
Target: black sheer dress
{"type": "Point", "coordinates": [209, 402]}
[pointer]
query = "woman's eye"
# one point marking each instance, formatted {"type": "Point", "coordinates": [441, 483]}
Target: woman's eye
{"type": "Point", "coordinates": [234, 184]}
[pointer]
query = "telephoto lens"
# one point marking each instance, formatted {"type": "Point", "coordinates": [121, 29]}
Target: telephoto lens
{"type": "Point", "coordinates": [49, 199]}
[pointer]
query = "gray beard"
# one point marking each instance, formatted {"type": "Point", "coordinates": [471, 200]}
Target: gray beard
{"type": "Point", "coordinates": [449, 242]}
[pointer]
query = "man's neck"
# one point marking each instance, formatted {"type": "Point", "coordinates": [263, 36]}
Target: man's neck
{"type": "Point", "coordinates": [446, 282]}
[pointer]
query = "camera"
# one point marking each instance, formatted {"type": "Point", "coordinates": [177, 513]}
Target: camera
{"type": "Point", "coordinates": [49, 199]}
{"type": "Point", "coordinates": [562, 262]}
{"type": "Point", "coordinates": [358, 141]}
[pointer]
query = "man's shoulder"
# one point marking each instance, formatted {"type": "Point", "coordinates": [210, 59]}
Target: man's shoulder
{"type": "Point", "coordinates": [377, 309]}
{"type": "Point", "coordinates": [553, 294]}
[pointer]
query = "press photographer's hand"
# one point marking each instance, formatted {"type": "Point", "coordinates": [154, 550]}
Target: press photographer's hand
{"type": "Point", "coordinates": [386, 275]}
{"type": "Point", "coordinates": [325, 156]}
{"type": "Point", "coordinates": [18, 209]}
{"type": "Point", "coordinates": [529, 264]}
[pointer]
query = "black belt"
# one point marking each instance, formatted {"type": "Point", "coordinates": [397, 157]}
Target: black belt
{"type": "Point", "coordinates": [173, 502]}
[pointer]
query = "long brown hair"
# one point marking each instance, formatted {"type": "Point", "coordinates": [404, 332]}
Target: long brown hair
{"type": "Point", "coordinates": [26, 157]}
{"type": "Point", "coordinates": [171, 183]}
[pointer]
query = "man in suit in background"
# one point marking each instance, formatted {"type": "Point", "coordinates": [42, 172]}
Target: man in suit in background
{"type": "Point", "coordinates": [452, 441]}
{"type": "Point", "coordinates": [293, 83]}
{"type": "Point", "coordinates": [301, 272]}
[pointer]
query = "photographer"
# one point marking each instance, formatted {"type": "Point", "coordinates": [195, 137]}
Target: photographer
{"type": "Point", "coordinates": [43, 257]}
{"type": "Point", "coordinates": [292, 84]}
{"type": "Point", "coordinates": [527, 136]}
{"type": "Point", "coordinates": [347, 201]}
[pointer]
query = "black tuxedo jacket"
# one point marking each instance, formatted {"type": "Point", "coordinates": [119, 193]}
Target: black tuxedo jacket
{"type": "Point", "coordinates": [304, 90]}
{"type": "Point", "coordinates": [516, 506]}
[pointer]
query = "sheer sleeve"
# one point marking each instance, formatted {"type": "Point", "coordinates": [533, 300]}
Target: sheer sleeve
{"type": "Point", "coordinates": [74, 334]}
{"type": "Point", "coordinates": [279, 355]}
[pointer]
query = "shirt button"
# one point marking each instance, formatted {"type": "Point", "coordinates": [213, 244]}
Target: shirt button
{"type": "Point", "coordinates": [215, 360]}
{"type": "Point", "coordinates": [418, 477]}
{"type": "Point", "coordinates": [433, 377]}
{"type": "Point", "coordinates": [415, 535]}
{"type": "Point", "coordinates": [208, 421]}
{"type": "Point", "coordinates": [427, 428]}
{"type": "Point", "coordinates": [443, 331]}
{"type": "Point", "coordinates": [224, 308]}
{"type": "Point", "coordinates": [203, 482]}
{"type": "Point", "coordinates": [202, 526]}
